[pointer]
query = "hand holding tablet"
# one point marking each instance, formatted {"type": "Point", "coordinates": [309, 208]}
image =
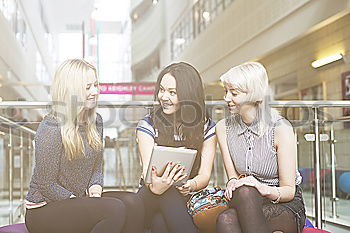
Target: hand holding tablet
{"type": "Point", "coordinates": [160, 162]}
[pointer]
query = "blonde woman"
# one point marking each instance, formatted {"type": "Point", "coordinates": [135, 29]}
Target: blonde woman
{"type": "Point", "coordinates": [67, 181]}
{"type": "Point", "coordinates": [258, 143]}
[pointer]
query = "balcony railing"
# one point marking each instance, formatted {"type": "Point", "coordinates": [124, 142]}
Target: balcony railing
{"type": "Point", "coordinates": [321, 129]}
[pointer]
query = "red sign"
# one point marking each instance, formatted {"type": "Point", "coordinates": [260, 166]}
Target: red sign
{"type": "Point", "coordinates": [132, 88]}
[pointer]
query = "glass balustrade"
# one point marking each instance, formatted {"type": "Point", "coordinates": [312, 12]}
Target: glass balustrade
{"type": "Point", "coordinates": [323, 158]}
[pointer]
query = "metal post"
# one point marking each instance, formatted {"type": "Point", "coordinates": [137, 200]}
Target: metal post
{"type": "Point", "coordinates": [334, 198]}
{"type": "Point", "coordinates": [21, 168]}
{"type": "Point", "coordinates": [10, 146]}
{"type": "Point", "coordinates": [30, 155]}
{"type": "Point", "coordinates": [129, 175]}
{"type": "Point", "coordinates": [318, 203]}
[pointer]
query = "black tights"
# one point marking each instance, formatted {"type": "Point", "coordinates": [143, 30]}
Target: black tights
{"type": "Point", "coordinates": [78, 215]}
{"type": "Point", "coordinates": [167, 212]}
{"type": "Point", "coordinates": [248, 214]}
{"type": "Point", "coordinates": [134, 210]}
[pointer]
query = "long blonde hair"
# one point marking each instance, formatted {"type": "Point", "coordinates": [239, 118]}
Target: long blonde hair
{"type": "Point", "coordinates": [68, 93]}
{"type": "Point", "coordinates": [251, 78]}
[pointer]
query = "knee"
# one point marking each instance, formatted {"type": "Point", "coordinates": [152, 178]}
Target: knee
{"type": "Point", "coordinates": [228, 216]}
{"type": "Point", "coordinates": [223, 218]}
{"type": "Point", "coordinates": [245, 192]}
{"type": "Point", "coordinates": [114, 207]}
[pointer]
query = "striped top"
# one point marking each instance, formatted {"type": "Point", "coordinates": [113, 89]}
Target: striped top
{"type": "Point", "coordinates": [251, 154]}
{"type": "Point", "coordinates": [146, 125]}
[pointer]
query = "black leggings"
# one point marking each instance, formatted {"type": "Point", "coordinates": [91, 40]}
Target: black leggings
{"type": "Point", "coordinates": [78, 215]}
{"type": "Point", "coordinates": [167, 212]}
{"type": "Point", "coordinates": [250, 213]}
{"type": "Point", "coordinates": [134, 210]}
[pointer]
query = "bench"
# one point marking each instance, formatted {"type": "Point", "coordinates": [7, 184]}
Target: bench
{"type": "Point", "coordinates": [15, 228]}
{"type": "Point", "coordinates": [21, 228]}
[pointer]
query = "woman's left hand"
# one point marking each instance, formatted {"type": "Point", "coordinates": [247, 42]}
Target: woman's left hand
{"type": "Point", "coordinates": [185, 189]}
{"type": "Point", "coordinates": [263, 189]}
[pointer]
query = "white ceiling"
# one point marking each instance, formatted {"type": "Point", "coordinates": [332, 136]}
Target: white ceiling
{"type": "Point", "coordinates": [68, 12]}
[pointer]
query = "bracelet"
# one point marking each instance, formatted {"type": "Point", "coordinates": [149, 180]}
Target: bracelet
{"type": "Point", "coordinates": [95, 195]}
{"type": "Point", "coordinates": [195, 182]}
{"type": "Point", "coordinates": [232, 178]}
{"type": "Point", "coordinates": [278, 198]}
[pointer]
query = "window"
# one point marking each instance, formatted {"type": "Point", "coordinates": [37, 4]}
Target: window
{"type": "Point", "coordinates": [203, 12]}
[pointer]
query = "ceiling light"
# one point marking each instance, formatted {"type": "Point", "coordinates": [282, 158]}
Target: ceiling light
{"type": "Point", "coordinates": [154, 2]}
{"type": "Point", "coordinates": [206, 15]}
{"type": "Point", "coordinates": [327, 60]}
{"type": "Point", "coordinates": [180, 41]}
{"type": "Point", "coordinates": [0, 99]}
{"type": "Point", "coordinates": [135, 16]}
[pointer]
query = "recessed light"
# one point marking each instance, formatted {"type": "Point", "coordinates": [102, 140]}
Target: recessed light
{"type": "Point", "coordinates": [206, 15]}
{"type": "Point", "coordinates": [180, 41]}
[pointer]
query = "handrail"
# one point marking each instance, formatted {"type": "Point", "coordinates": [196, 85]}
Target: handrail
{"type": "Point", "coordinates": [16, 125]}
{"type": "Point", "coordinates": [135, 104]}
{"type": "Point", "coordinates": [315, 107]}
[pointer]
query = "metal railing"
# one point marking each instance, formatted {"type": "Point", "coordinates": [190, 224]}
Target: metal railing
{"type": "Point", "coordinates": [22, 129]}
{"type": "Point", "coordinates": [314, 106]}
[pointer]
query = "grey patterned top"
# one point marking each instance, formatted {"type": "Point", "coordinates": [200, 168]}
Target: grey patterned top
{"type": "Point", "coordinates": [251, 154]}
{"type": "Point", "coordinates": [55, 177]}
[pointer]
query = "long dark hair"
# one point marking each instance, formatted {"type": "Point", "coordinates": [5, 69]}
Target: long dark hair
{"type": "Point", "coordinates": [192, 112]}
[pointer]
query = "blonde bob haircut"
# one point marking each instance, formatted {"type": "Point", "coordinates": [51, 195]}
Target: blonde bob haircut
{"type": "Point", "coordinates": [68, 93]}
{"type": "Point", "coordinates": [251, 78]}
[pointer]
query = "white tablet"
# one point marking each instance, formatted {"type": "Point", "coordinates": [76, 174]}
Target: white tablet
{"type": "Point", "coordinates": [162, 155]}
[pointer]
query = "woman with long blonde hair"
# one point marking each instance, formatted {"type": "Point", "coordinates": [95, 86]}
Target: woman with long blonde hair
{"type": "Point", "coordinates": [66, 186]}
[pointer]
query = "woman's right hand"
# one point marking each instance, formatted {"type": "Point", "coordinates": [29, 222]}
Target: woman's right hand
{"type": "Point", "coordinates": [171, 175]}
{"type": "Point", "coordinates": [230, 187]}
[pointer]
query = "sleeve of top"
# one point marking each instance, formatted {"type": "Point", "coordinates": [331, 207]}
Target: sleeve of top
{"type": "Point", "coordinates": [145, 125]}
{"type": "Point", "coordinates": [97, 176]}
{"type": "Point", "coordinates": [209, 129]}
{"type": "Point", "coordinates": [48, 151]}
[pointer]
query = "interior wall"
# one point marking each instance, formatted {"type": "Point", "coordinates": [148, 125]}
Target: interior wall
{"type": "Point", "coordinates": [294, 62]}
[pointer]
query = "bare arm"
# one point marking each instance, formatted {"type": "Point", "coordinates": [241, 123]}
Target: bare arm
{"type": "Point", "coordinates": [286, 155]}
{"type": "Point", "coordinates": [145, 145]}
{"type": "Point", "coordinates": [207, 160]}
{"type": "Point", "coordinates": [226, 157]}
